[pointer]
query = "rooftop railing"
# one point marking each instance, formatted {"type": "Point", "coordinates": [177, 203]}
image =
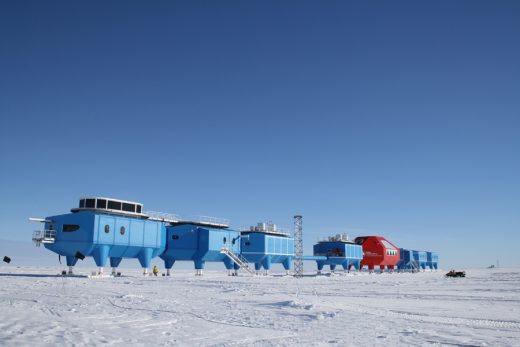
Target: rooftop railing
{"type": "Point", "coordinates": [175, 218]}
{"type": "Point", "coordinates": [209, 220]}
{"type": "Point", "coordinates": [163, 216]}
{"type": "Point", "coordinates": [276, 230]}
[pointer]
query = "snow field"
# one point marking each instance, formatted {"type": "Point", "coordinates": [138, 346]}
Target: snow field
{"type": "Point", "coordinates": [41, 309]}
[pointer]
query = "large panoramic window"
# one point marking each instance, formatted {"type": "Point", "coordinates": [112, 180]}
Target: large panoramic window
{"type": "Point", "coordinates": [68, 228]}
{"type": "Point", "coordinates": [90, 203]}
{"type": "Point", "coordinates": [101, 203]}
{"type": "Point", "coordinates": [82, 203]}
{"type": "Point", "coordinates": [387, 244]}
{"type": "Point", "coordinates": [138, 210]}
{"type": "Point", "coordinates": [114, 205]}
{"type": "Point", "coordinates": [128, 207]}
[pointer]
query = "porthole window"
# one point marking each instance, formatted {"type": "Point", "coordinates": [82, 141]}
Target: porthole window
{"type": "Point", "coordinates": [122, 230]}
{"type": "Point", "coordinates": [248, 243]}
{"type": "Point", "coordinates": [107, 228]}
{"type": "Point", "coordinates": [224, 240]}
{"type": "Point", "coordinates": [175, 237]}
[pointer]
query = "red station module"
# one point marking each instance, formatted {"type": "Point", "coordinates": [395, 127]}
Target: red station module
{"type": "Point", "coordinates": [377, 251]}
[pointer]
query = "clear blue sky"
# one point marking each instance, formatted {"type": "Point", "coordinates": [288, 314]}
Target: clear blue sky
{"type": "Point", "coordinates": [392, 118]}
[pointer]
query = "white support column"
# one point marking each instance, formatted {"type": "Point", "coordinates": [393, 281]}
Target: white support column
{"type": "Point", "coordinates": [167, 272]}
{"type": "Point", "coordinates": [113, 271]}
{"type": "Point", "coordinates": [100, 270]}
{"type": "Point", "coordinates": [145, 271]}
{"type": "Point", "coordinates": [70, 270]}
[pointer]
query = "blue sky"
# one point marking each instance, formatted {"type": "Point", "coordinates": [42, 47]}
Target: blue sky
{"type": "Point", "coordinates": [399, 119]}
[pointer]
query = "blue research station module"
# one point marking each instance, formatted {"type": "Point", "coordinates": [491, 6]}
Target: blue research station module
{"type": "Point", "coordinates": [266, 244]}
{"type": "Point", "coordinates": [338, 250]}
{"type": "Point", "coordinates": [109, 228]}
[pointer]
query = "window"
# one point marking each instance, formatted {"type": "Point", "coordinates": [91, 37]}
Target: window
{"type": "Point", "coordinates": [247, 243]}
{"type": "Point", "coordinates": [114, 205]}
{"type": "Point", "coordinates": [90, 203]}
{"type": "Point", "coordinates": [82, 203]}
{"type": "Point", "coordinates": [224, 240]}
{"type": "Point", "coordinates": [101, 203]}
{"type": "Point", "coordinates": [128, 207]}
{"type": "Point", "coordinates": [122, 230]}
{"type": "Point", "coordinates": [107, 228]}
{"type": "Point", "coordinates": [68, 228]}
{"type": "Point", "coordinates": [387, 244]}
{"type": "Point", "coordinates": [138, 209]}
{"type": "Point", "coordinates": [175, 237]}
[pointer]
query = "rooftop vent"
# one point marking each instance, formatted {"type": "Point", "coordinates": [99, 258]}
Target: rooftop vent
{"type": "Point", "coordinates": [266, 227]}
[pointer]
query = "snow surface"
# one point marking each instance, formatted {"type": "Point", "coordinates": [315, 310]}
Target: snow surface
{"type": "Point", "coordinates": [39, 308]}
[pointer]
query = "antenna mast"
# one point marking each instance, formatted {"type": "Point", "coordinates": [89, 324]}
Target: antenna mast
{"type": "Point", "coordinates": [298, 247]}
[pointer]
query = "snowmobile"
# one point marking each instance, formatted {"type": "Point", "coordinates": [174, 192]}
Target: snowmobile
{"type": "Point", "coordinates": [454, 273]}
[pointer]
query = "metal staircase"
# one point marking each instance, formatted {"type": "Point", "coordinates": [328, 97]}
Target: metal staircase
{"type": "Point", "coordinates": [238, 259]}
{"type": "Point", "coordinates": [415, 266]}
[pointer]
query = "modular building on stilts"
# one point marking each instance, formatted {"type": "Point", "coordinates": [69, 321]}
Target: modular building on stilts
{"type": "Point", "coordinates": [378, 252]}
{"type": "Point", "coordinates": [338, 251]}
{"type": "Point", "coordinates": [104, 229]}
{"type": "Point", "coordinates": [200, 244]}
{"type": "Point", "coordinates": [266, 244]}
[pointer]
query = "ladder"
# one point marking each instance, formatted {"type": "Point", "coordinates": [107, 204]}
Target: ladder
{"type": "Point", "coordinates": [237, 258]}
